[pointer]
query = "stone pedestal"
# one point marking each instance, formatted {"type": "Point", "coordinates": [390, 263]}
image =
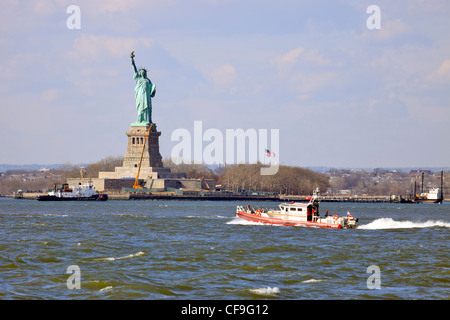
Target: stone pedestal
{"type": "Point", "coordinates": [136, 139]}
{"type": "Point", "coordinates": [151, 166]}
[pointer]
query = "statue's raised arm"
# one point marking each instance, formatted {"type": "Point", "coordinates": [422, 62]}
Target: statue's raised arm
{"type": "Point", "coordinates": [132, 61]}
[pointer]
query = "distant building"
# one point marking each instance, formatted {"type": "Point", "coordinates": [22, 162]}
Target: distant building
{"type": "Point", "coordinates": [417, 172]}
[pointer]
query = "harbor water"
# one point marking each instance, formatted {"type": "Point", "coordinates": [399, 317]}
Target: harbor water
{"type": "Point", "coordinates": [201, 250]}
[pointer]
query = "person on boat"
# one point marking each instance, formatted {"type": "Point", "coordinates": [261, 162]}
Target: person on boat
{"type": "Point", "coordinates": [308, 214]}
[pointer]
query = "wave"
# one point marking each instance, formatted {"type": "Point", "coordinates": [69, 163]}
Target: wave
{"type": "Point", "coordinates": [105, 289]}
{"type": "Point", "coordinates": [389, 223]}
{"type": "Point", "coordinates": [97, 285]}
{"type": "Point", "coordinates": [246, 222]}
{"type": "Point", "coordinates": [382, 223]}
{"type": "Point", "coordinates": [237, 220]}
{"type": "Point", "coordinates": [137, 254]}
{"type": "Point", "coordinates": [312, 281]}
{"type": "Point", "coordinates": [208, 217]}
{"type": "Point", "coordinates": [131, 215]}
{"type": "Point", "coordinates": [266, 291]}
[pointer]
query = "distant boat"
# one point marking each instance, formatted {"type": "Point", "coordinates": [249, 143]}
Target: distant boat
{"type": "Point", "coordinates": [85, 192]}
{"type": "Point", "coordinates": [434, 195]}
{"type": "Point", "coordinates": [298, 214]}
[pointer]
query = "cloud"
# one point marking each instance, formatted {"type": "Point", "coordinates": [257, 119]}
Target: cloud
{"type": "Point", "coordinates": [438, 76]}
{"type": "Point", "coordinates": [427, 6]}
{"type": "Point", "coordinates": [93, 61]}
{"type": "Point", "coordinates": [391, 30]}
{"type": "Point", "coordinates": [291, 56]}
{"type": "Point", "coordinates": [391, 108]}
{"type": "Point", "coordinates": [92, 46]}
{"type": "Point", "coordinates": [316, 57]}
{"type": "Point", "coordinates": [382, 62]}
{"type": "Point", "coordinates": [312, 81]}
{"type": "Point", "coordinates": [223, 75]}
{"type": "Point", "coordinates": [50, 95]}
{"type": "Point", "coordinates": [302, 69]}
{"type": "Point", "coordinates": [444, 70]}
{"type": "Point", "coordinates": [300, 55]}
{"type": "Point", "coordinates": [102, 7]}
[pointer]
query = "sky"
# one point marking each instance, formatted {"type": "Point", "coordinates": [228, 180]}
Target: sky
{"type": "Point", "coordinates": [340, 93]}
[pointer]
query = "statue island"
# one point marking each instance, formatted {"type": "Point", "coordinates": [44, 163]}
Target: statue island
{"type": "Point", "coordinates": [143, 162]}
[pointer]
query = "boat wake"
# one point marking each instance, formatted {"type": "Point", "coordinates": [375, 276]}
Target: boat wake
{"type": "Point", "coordinates": [245, 222]}
{"type": "Point", "coordinates": [389, 223]}
{"type": "Point", "coordinates": [242, 221]}
{"type": "Point", "coordinates": [378, 224]}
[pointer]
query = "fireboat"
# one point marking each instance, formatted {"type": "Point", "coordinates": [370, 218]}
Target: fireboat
{"type": "Point", "coordinates": [298, 214]}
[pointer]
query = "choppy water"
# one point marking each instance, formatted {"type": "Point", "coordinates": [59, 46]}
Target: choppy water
{"type": "Point", "coordinates": [200, 250]}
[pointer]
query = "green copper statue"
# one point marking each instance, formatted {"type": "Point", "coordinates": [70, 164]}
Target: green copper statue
{"type": "Point", "coordinates": [144, 92]}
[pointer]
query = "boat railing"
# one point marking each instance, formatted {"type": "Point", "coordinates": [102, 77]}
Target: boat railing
{"type": "Point", "coordinates": [240, 208]}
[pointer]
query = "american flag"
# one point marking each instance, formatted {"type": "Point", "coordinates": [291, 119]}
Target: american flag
{"type": "Point", "coordinates": [270, 153]}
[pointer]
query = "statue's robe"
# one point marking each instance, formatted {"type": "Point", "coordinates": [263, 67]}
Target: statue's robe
{"type": "Point", "coordinates": [144, 91]}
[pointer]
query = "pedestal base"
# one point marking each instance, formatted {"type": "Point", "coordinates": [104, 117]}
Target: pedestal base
{"type": "Point", "coordinates": [152, 173]}
{"type": "Point", "coordinates": [145, 173]}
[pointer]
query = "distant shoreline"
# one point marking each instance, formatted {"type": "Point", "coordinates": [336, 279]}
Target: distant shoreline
{"type": "Point", "coordinates": [322, 169]}
{"type": "Point", "coordinates": [281, 198]}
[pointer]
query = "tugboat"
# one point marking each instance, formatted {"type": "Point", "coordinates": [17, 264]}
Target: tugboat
{"type": "Point", "coordinates": [298, 214]}
{"type": "Point", "coordinates": [82, 192]}
{"type": "Point", "coordinates": [85, 192]}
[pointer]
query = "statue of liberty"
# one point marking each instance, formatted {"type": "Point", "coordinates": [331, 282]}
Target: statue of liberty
{"type": "Point", "coordinates": [144, 92]}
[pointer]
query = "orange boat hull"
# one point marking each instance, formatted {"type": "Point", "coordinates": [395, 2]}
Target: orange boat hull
{"type": "Point", "coordinates": [286, 222]}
